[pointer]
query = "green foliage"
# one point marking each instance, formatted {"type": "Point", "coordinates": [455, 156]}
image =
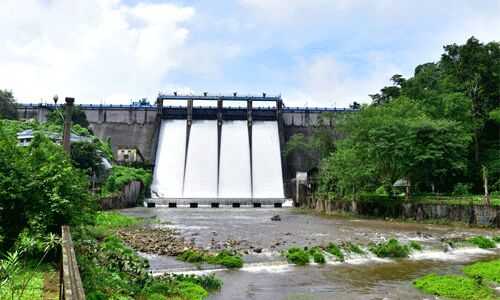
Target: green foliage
{"type": "Point", "coordinates": [78, 117]}
{"type": "Point", "coordinates": [39, 189]}
{"type": "Point", "coordinates": [208, 282]}
{"type": "Point", "coordinates": [335, 251]}
{"type": "Point", "coordinates": [317, 255]}
{"type": "Point", "coordinates": [496, 238]}
{"type": "Point", "coordinates": [415, 245]}
{"type": "Point", "coordinates": [453, 287]}
{"type": "Point", "coordinates": [8, 106]}
{"type": "Point", "coordinates": [111, 220]}
{"type": "Point", "coordinates": [297, 256]}
{"type": "Point", "coordinates": [226, 259]}
{"type": "Point", "coordinates": [190, 256]}
{"type": "Point", "coordinates": [356, 249]}
{"type": "Point", "coordinates": [482, 242]}
{"type": "Point", "coordinates": [120, 175]}
{"type": "Point", "coordinates": [390, 249]}
{"type": "Point", "coordinates": [462, 189]}
{"type": "Point", "coordinates": [85, 156]}
{"type": "Point", "coordinates": [192, 291]}
{"type": "Point", "coordinates": [486, 270]}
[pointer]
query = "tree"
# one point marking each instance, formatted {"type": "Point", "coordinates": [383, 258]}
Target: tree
{"type": "Point", "coordinates": [85, 156]}
{"type": "Point", "coordinates": [8, 106]}
{"type": "Point", "coordinates": [39, 189]}
{"type": "Point", "coordinates": [78, 117]}
{"type": "Point", "coordinates": [394, 141]}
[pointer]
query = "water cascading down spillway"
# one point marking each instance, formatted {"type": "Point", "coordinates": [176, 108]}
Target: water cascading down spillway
{"type": "Point", "coordinates": [189, 166]}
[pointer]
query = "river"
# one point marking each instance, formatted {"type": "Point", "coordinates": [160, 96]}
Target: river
{"type": "Point", "coordinates": [266, 275]}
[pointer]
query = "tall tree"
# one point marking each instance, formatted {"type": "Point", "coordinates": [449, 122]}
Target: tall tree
{"type": "Point", "coordinates": [8, 106]}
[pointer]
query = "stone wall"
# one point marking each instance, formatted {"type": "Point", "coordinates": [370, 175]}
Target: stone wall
{"type": "Point", "coordinates": [129, 197]}
{"type": "Point", "coordinates": [477, 215]}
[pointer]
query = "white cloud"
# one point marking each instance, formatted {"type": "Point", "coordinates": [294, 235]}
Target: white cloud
{"type": "Point", "coordinates": [326, 81]}
{"type": "Point", "coordinates": [88, 49]}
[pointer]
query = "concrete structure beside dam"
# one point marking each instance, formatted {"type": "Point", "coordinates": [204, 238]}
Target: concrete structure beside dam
{"type": "Point", "coordinates": [227, 136]}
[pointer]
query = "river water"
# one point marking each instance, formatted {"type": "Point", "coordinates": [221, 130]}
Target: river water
{"type": "Point", "coordinates": [266, 275]}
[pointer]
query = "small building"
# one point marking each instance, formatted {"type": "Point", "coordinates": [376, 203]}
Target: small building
{"type": "Point", "coordinates": [25, 137]}
{"type": "Point", "coordinates": [131, 154]}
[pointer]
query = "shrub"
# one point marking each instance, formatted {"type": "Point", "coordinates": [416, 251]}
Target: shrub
{"type": "Point", "coordinates": [297, 256]}
{"type": "Point", "coordinates": [208, 282]}
{"type": "Point", "coordinates": [190, 256]}
{"type": "Point", "coordinates": [356, 249]}
{"type": "Point", "coordinates": [317, 256]}
{"type": "Point", "coordinates": [496, 238]}
{"type": "Point", "coordinates": [192, 291]}
{"type": "Point", "coordinates": [415, 245]}
{"type": "Point", "coordinates": [482, 242]}
{"type": "Point", "coordinates": [335, 251]}
{"type": "Point", "coordinates": [226, 259]}
{"type": "Point", "coordinates": [390, 249]}
{"type": "Point", "coordinates": [486, 270]}
{"type": "Point", "coordinates": [453, 287]}
{"type": "Point", "coordinates": [462, 189]}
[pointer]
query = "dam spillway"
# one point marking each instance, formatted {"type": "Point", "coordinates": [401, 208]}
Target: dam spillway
{"type": "Point", "coordinates": [198, 161]}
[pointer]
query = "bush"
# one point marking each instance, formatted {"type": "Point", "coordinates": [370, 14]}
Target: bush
{"type": "Point", "coordinates": [486, 270]}
{"type": "Point", "coordinates": [297, 256]}
{"type": "Point", "coordinates": [462, 189]}
{"type": "Point", "coordinates": [317, 256]}
{"type": "Point", "coordinates": [190, 256]}
{"type": "Point", "coordinates": [496, 238]}
{"type": "Point", "coordinates": [192, 291]}
{"type": "Point", "coordinates": [482, 242]}
{"type": "Point", "coordinates": [120, 175]}
{"type": "Point", "coordinates": [208, 282]}
{"type": "Point", "coordinates": [390, 249]}
{"type": "Point", "coordinates": [453, 287]}
{"type": "Point", "coordinates": [415, 245]}
{"type": "Point", "coordinates": [226, 259]}
{"type": "Point", "coordinates": [356, 249]}
{"type": "Point", "coordinates": [335, 251]}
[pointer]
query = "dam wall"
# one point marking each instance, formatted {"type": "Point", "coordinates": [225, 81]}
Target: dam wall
{"type": "Point", "coordinates": [130, 126]}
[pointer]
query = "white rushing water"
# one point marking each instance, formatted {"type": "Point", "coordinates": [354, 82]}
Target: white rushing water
{"type": "Point", "coordinates": [234, 180]}
{"type": "Point", "coordinates": [200, 175]}
{"type": "Point", "coordinates": [201, 165]}
{"type": "Point", "coordinates": [266, 160]}
{"type": "Point", "coordinates": [169, 169]}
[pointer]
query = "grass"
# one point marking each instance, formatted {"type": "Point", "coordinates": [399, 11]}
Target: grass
{"type": "Point", "coordinates": [34, 281]}
{"type": "Point", "coordinates": [335, 251]}
{"type": "Point", "coordinates": [453, 287]}
{"type": "Point", "coordinates": [486, 270]}
{"type": "Point", "coordinates": [482, 242]}
{"type": "Point", "coordinates": [390, 249]}
{"type": "Point", "coordinates": [113, 220]}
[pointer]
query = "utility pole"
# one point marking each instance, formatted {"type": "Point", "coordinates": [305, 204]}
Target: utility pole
{"type": "Point", "coordinates": [67, 124]}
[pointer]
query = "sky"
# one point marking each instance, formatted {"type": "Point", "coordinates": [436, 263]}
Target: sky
{"type": "Point", "coordinates": [326, 53]}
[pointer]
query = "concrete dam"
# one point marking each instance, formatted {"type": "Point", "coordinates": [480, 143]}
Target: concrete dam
{"type": "Point", "coordinates": [220, 152]}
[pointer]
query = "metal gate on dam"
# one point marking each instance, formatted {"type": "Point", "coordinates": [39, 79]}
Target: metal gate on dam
{"type": "Point", "coordinates": [236, 142]}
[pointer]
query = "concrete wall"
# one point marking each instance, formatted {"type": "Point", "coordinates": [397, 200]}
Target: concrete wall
{"type": "Point", "coordinates": [129, 197]}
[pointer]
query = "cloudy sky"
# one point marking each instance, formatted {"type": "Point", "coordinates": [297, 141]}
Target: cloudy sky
{"type": "Point", "coordinates": [319, 53]}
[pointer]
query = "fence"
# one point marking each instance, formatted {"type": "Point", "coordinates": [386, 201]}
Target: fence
{"type": "Point", "coordinates": [70, 281]}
